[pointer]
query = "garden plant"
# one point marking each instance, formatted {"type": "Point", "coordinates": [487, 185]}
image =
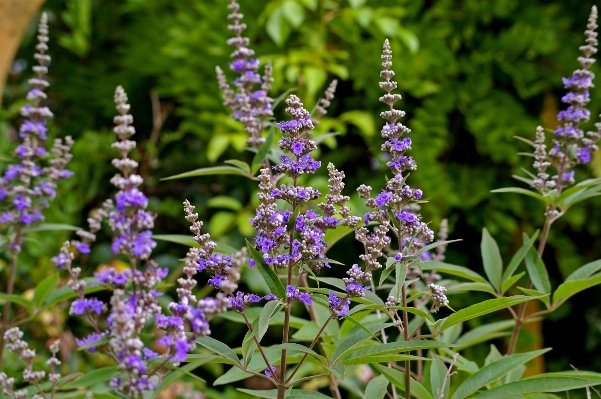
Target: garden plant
{"type": "Point", "coordinates": [383, 326]}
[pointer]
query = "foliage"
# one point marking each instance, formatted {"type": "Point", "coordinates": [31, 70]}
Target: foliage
{"type": "Point", "coordinates": [473, 77]}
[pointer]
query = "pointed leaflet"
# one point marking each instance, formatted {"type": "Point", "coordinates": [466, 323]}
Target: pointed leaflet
{"type": "Point", "coordinates": [549, 382]}
{"type": "Point", "coordinates": [397, 378]}
{"type": "Point", "coordinates": [537, 272]}
{"type": "Point", "coordinates": [272, 280]}
{"type": "Point", "coordinates": [346, 346]}
{"type": "Point", "coordinates": [44, 288]}
{"type": "Point", "coordinates": [569, 288]}
{"type": "Point", "coordinates": [519, 190]}
{"type": "Point", "coordinates": [493, 372]}
{"type": "Point", "coordinates": [454, 270]}
{"type": "Point", "coordinates": [262, 153]}
{"type": "Point", "coordinates": [519, 256]}
{"type": "Point", "coordinates": [376, 388]}
{"type": "Point", "coordinates": [585, 271]}
{"type": "Point", "coordinates": [438, 371]}
{"type": "Point", "coordinates": [213, 170]}
{"type": "Point", "coordinates": [218, 347]}
{"type": "Point", "coordinates": [493, 264]}
{"type": "Point", "coordinates": [479, 309]}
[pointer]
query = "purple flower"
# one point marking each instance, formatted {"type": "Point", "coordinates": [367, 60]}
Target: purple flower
{"type": "Point", "coordinates": [270, 372]}
{"type": "Point", "coordinates": [142, 245]}
{"type": "Point", "coordinates": [131, 198]}
{"type": "Point", "coordinates": [338, 306]}
{"type": "Point", "coordinates": [86, 305]}
{"type": "Point", "coordinates": [383, 198]}
{"type": "Point", "coordinates": [89, 339]}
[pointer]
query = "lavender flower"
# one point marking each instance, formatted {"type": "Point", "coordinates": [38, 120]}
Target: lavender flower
{"type": "Point", "coordinates": [28, 187]}
{"type": "Point", "coordinates": [571, 145]}
{"type": "Point", "coordinates": [249, 106]}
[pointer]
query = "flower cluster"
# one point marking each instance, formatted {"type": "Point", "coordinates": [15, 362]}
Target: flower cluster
{"type": "Point", "coordinates": [134, 299]}
{"type": "Point", "coordinates": [394, 207]}
{"type": "Point", "coordinates": [277, 228]}
{"type": "Point", "coordinates": [28, 186]}
{"type": "Point", "coordinates": [16, 345]}
{"type": "Point", "coordinates": [570, 145]}
{"type": "Point", "coordinates": [439, 299]}
{"type": "Point", "coordinates": [249, 106]}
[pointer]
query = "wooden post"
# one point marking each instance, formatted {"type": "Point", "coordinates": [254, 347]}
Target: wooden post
{"type": "Point", "coordinates": [15, 18]}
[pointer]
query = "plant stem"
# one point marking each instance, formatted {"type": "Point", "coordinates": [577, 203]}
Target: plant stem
{"type": "Point", "coordinates": [258, 344]}
{"type": "Point", "coordinates": [521, 313]}
{"type": "Point", "coordinates": [407, 338]}
{"type": "Point", "coordinates": [310, 347]}
{"type": "Point", "coordinates": [14, 253]}
{"type": "Point", "coordinates": [333, 380]}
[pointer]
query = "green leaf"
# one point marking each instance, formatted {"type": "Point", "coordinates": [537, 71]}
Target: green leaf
{"type": "Point", "coordinates": [519, 190]}
{"type": "Point", "coordinates": [224, 202]}
{"type": "Point", "coordinates": [392, 348]}
{"type": "Point", "coordinates": [397, 378]}
{"type": "Point", "coordinates": [537, 272]}
{"type": "Point", "coordinates": [272, 280]}
{"type": "Point", "coordinates": [18, 300]}
{"type": "Point", "coordinates": [549, 382]}
{"type": "Point", "coordinates": [50, 227]}
{"type": "Point", "coordinates": [294, 13]}
{"type": "Point", "coordinates": [176, 374]}
{"type": "Point", "coordinates": [94, 377]}
{"type": "Point", "coordinates": [493, 372]}
{"type": "Point", "coordinates": [66, 292]}
{"type": "Point", "coordinates": [572, 287]}
{"type": "Point", "coordinates": [356, 3]}
{"type": "Point", "coordinates": [400, 275]}
{"type": "Point", "coordinates": [484, 287]}
{"type": "Point", "coordinates": [239, 164]}
{"type": "Point", "coordinates": [45, 288]}
{"type": "Point", "coordinates": [438, 371]}
{"type": "Point", "coordinates": [491, 256]}
{"type": "Point", "coordinates": [518, 257]}
{"type": "Point", "coordinates": [581, 196]}
{"type": "Point", "coordinates": [585, 271]}
{"type": "Point", "coordinates": [324, 260]}
{"type": "Point", "coordinates": [277, 28]}
{"type": "Point", "coordinates": [298, 348]}
{"type": "Point", "coordinates": [544, 298]}
{"type": "Point", "coordinates": [263, 151]}
{"type": "Point", "coordinates": [315, 78]}
{"type": "Point", "coordinates": [218, 347]}
{"type": "Point", "coordinates": [434, 245]}
{"type": "Point", "coordinates": [376, 388]}
{"type": "Point", "coordinates": [507, 284]}
{"type": "Point", "coordinates": [481, 331]}
{"type": "Point", "coordinates": [479, 309]}
{"type": "Point", "coordinates": [381, 359]}
{"type": "Point", "coordinates": [347, 345]}
{"type": "Point", "coordinates": [458, 271]}
{"type": "Point", "coordinates": [213, 170]}
{"type": "Point", "coordinates": [293, 394]}
{"type": "Point", "coordinates": [361, 119]}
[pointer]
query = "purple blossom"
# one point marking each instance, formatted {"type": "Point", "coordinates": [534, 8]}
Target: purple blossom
{"type": "Point", "coordinates": [142, 245]}
{"type": "Point", "coordinates": [131, 198]}
{"type": "Point", "coordinates": [89, 339]}
{"type": "Point", "coordinates": [338, 306]}
{"type": "Point", "coordinates": [86, 305]}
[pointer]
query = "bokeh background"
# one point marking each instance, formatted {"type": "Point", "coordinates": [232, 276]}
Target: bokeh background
{"type": "Point", "coordinates": [473, 75]}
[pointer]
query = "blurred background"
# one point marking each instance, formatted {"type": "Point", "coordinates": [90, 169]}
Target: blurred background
{"type": "Point", "coordinates": [473, 75]}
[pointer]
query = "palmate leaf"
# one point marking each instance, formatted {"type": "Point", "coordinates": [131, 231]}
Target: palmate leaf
{"type": "Point", "coordinates": [493, 372]}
